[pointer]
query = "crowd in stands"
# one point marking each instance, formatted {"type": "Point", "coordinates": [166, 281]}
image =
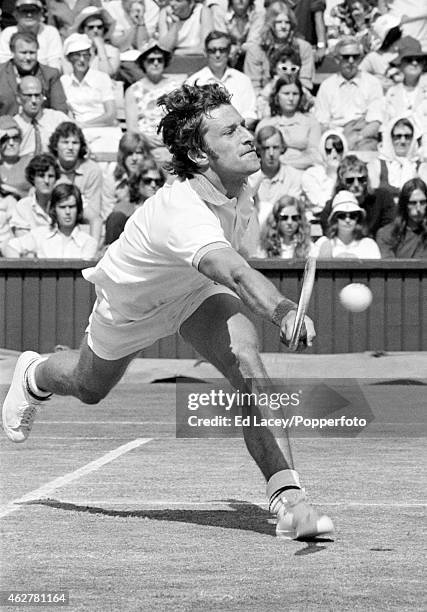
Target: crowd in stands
{"type": "Point", "coordinates": [334, 91]}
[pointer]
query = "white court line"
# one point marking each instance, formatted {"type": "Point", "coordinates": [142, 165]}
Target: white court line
{"type": "Point", "coordinates": [67, 478]}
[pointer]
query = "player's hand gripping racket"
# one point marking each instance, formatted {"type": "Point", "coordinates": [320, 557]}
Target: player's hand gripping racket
{"type": "Point", "coordinates": [304, 300]}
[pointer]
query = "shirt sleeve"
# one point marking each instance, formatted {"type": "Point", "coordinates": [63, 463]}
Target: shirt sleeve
{"type": "Point", "coordinates": [5, 37]}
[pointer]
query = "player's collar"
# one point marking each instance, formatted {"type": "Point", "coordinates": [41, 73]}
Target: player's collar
{"type": "Point", "coordinates": [208, 192]}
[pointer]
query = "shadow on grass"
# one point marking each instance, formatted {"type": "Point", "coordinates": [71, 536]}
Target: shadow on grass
{"type": "Point", "coordinates": [242, 515]}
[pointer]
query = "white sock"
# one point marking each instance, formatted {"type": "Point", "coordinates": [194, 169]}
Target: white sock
{"type": "Point", "coordinates": [31, 380]}
{"type": "Point", "coordinates": [278, 483]}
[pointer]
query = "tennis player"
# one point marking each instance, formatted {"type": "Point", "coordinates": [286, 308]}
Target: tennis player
{"type": "Point", "coordinates": [177, 267]}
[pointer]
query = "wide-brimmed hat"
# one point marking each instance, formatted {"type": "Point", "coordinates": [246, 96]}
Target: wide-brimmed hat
{"type": "Point", "coordinates": [386, 26]}
{"type": "Point", "coordinates": [77, 42]}
{"type": "Point", "coordinates": [90, 12]}
{"type": "Point", "coordinates": [408, 47]}
{"type": "Point", "coordinates": [150, 46]}
{"type": "Point", "coordinates": [345, 201]}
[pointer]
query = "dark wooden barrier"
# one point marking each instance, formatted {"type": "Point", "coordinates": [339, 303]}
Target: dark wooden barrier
{"type": "Point", "coordinates": [44, 303]}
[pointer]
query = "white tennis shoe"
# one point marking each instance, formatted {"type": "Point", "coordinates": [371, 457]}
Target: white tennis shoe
{"type": "Point", "coordinates": [20, 407]}
{"type": "Point", "coordinates": [297, 519]}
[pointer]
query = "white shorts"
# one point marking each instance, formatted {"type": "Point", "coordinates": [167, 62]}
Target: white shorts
{"type": "Point", "coordinates": [111, 340]}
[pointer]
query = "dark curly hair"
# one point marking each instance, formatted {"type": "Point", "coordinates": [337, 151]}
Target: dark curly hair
{"type": "Point", "coordinates": [64, 130]}
{"type": "Point", "coordinates": [286, 79]}
{"type": "Point", "coordinates": [40, 164]}
{"type": "Point", "coordinates": [59, 194]}
{"type": "Point", "coordinates": [270, 238]}
{"type": "Point", "coordinates": [400, 222]}
{"type": "Point", "coordinates": [182, 126]}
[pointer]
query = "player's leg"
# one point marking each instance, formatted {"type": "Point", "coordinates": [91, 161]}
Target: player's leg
{"type": "Point", "coordinates": [222, 333]}
{"type": "Point", "coordinates": [81, 374]}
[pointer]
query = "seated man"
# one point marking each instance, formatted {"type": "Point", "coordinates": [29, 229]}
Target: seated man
{"type": "Point", "coordinates": [68, 145]}
{"type": "Point", "coordinates": [217, 48]}
{"type": "Point", "coordinates": [23, 46]}
{"type": "Point", "coordinates": [12, 163]}
{"type": "Point", "coordinates": [351, 99]}
{"type": "Point", "coordinates": [28, 14]}
{"type": "Point", "coordinates": [36, 122]}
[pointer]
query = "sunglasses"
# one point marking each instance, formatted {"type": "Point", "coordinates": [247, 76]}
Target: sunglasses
{"type": "Point", "coordinates": [33, 10]}
{"type": "Point", "coordinates": [13, 138]}
{"type": "Point", "coordinates": [221, 50]}
{"type": "Point", "coordinates": [291, 69]}
{"type": "Point", "coordinates": [95, 26]}
{"type": "Point", "coordinates": [411, 59]}
{"type": "Point", "coordinates": [337, 147]}
{"type": "Point", "coordinates": [362, 180]}
{"type": "Point", "coordinates": [407, 137]}
{"type": "Point", "coordinates": [350, 56]}
{"type": "Point", "coordinates": [153, 60]}
{"type": "Point", "coordinates": [149, 180]}
{"type": "Point", "coordinates": [284, 217]}
{"type": "Point", "coordinates": [344, 215]}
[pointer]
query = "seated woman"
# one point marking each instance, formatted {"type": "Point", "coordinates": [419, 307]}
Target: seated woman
{"type": "Point", "coordinates": [318, 182]}
{"type": "Point", "coordinates": [300, 130]}
{"type": "Point", "coordinates": [64, 238]}
{"type": "Point", "coordinates": [132, 153]}
{"type": "Point", "coordinates": [97, 24]}
{"type": "Point", "coordinates": [12, 164]}
{"type": "Point", "coordinates": [346, 234]}
{"type": "Point", "coordinates": [184, 25]}
{"type": "Point", "coordinates": [399, 157]}
{"type": "Point", "coordinates": [279, 31]}
{"type": "Point", "coordinates": [142, 111]}
{"type": "Point", "coordinates": [286, 233]}
{"type": "Point", "coordinates": [91, 99]}
{"type": "Point", "coordinates": [406, 236]}
{"type": "Point", "coordinates": [32, 211]}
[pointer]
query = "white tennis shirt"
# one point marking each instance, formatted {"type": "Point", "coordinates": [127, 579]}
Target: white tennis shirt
{"type": "Point", "coordinates": [155, 260]}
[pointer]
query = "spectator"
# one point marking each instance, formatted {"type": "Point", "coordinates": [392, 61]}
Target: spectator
{"type": "Point", "coordinates": [279, 31]}
{"type": "Point", "coordinates": [351, 100]}
{"type": "Point", "coordinates": [318, 182]}
{"type": "Point", "coordinates": [32, 211]}
{"type": "Point", "coordinates": [7, 202]}
{"type": "Point", "coordinates": [217, 48]}
{"type": "Point", "coordinates": [130, 193]}
{"type": "Point", "coordinates": [64, 238]}
{"type": "Point", "coordinates": [28, 15]}
{"type": "Point", "coordinates": [142, 112]}
{"type": "Point", "coordinates": [90, 97]}
{"type": "Point", "coordinates": [300, 130]}
{"type": "Point", "coordinates": [311, 24]}
{"type": "Point", "coordinates": [35, 122]}
{"type": "Point", "coordinates": [184, 25]}
{"type": "Point", "coordinates": [274, 179]}
{"type": "Point", "coordinates": [243, 21]}
{"type": "Point", "coordinates": [136, 21]}
{"type": "Point", "coordinates": [386, 33]}
{"type": "Point", "coordinates": [345, 233]}
{"type": "Point", "coordinates": [286, 233]}
{"type": "Point", "coordinates": [355, 19]}
{"type": "Point", "coordinates": [406, 236]}
{"type": "Point", "coordinates": [23, 46]}
{"type": "Point", "coordinates": [378, 204]}
{"type": "Point", "coordinates": [409, 98]}
{"type": "Point", "coordinates": [97, 24]}
{"type": "Point", "coordinates": [12, 164]}
{"type": "Point", "coordinates": [62, 14]}
{"type": "Point", "coordinates": [399, 158]}
{"type": "Point", "coordinates": [68, 145]}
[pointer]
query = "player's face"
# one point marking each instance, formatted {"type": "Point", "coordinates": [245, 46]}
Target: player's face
{"type": "Point", "coordinates": [25, 55]}
{"type": "Point", "coordinates": [356, 181]}
{"type": "Point", "coordinates": [231, 152]}
{"type": "Point", "coordinates": [289, 218]}
{"type": "Point", "coordinates": [288, 97]}
{"type": "Point", "coordinates": [350, 59]}
{"type": "Point", "coordinates": [68, 149]}
{"type": "Point", "coordinates": [281, 26]}
{"type": "Point", "coordinates": [417, 206]}
{"type": "Point", "coordinates": [271, 150]}
{"type": "Point", "coordinates": [44, 182]}
{"type": "Point", "coordinates": [31, 98]}
{"type": "Point", "coordinates": [217, 52]}
{"type": "Point", "coordinates": [66, 213]}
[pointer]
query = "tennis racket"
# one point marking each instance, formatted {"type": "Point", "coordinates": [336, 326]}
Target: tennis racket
{"type": "Point", "coordinates": [304, 300]}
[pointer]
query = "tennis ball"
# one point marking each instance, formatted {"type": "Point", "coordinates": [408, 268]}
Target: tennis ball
{"type": "Point", "coordinates": [356, 297]}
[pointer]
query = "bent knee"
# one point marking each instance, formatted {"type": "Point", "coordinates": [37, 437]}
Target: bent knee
{"type": "Point", "coordinates": [90, 396]}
